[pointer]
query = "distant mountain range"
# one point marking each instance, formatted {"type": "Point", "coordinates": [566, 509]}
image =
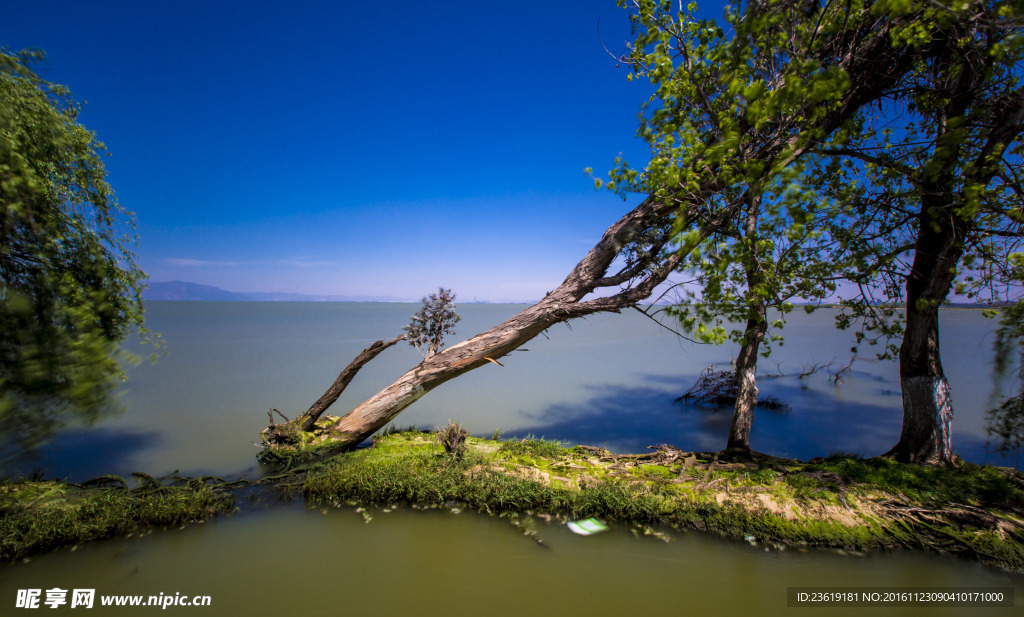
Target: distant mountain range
{"type": "Point", "coordinates": [180, 290]}
{"type": "Point", "coordinates": [193, 292]}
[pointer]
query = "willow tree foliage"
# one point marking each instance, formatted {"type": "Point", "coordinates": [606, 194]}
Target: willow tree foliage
{"type": "Point", "coordinates": [69, 288]}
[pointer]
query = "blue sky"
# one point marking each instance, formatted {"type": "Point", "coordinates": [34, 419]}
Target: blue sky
{"type": "Point", "coordinates": [352, 148]}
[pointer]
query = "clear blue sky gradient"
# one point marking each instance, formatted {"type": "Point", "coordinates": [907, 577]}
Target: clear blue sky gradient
{"type": "Point", "coordinates": [352, 148]}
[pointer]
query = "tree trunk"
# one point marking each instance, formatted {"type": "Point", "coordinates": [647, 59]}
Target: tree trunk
{"type": "Point", "coordinates": [757, 326]}
{"type": "Point", "coordinates": [746, 382]}
{"type": "Point", "coordinates": [344, 378]}
{"type": "Point", "coordinates": [927, 404]}
{"type": "Point", "coordinates": [947, 218]}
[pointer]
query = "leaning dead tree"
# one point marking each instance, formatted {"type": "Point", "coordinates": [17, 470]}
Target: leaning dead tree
{"type": "Point", "coordinates": [643, 237]}
{"type": "Point", "coordinates": [640, 250]}
{"type": "Point", "coordinates": [648, 264]}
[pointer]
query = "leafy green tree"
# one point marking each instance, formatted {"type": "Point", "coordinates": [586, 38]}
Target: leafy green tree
{"type": "Point", "coordinates": [773, 255]}
{"type": "Point", "coordinates": [726, 95]}
{"type": "Point", "coordinates": [69, 288]}
{"type": "Point", "coordinates": [941, 209]}
{"type": "Point", "coordinates": [739, 108]}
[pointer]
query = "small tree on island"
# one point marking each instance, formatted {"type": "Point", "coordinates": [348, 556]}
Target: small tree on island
{"type": "Point", "coordinates": [431, 323]}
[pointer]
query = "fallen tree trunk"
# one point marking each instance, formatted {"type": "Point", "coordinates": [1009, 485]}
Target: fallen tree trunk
{"type": "Point", "coordinates": [562, 304]}
{"type": "Point", "coordinates": [646, 230]}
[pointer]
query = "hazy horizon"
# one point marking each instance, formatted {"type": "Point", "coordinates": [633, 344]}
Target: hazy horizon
{"type": "Point", "coordinates": [161, 290]}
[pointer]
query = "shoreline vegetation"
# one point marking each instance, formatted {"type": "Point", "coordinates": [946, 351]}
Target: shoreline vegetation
{"type": "Point", "coordinates": [841, 502]}
{"type": "Point", "coordinates": [38, 516]}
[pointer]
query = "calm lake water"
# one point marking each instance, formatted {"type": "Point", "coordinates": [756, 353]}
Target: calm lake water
{"type": "Point", "coordinates": [609, 380]}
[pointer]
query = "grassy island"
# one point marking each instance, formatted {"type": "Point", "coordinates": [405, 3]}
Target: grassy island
{"type": "Point", "coordinates": [843, 502]}
{"type": "Point", "coordinates": [39, 516]}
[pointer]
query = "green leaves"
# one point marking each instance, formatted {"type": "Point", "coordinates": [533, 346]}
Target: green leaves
{"type": "Point", "coordinates": [722, 94]}
{"type": "Point", "coordinates": [435, 320]}
{"type": "Point", "coordinates": [69, 288]}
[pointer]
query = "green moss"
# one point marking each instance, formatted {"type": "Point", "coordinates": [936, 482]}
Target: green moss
{"type": "Point", "coordinates": [657, 471]}
{"type": "Point", "coordinates": [540, 476]}
{"type": "Point", "coordinates": [968, 484]}
{"type": "Point", "coordinates": [286, 445]}
{"type": "Point", "coordinates": [763, 476]}
{"type": "Point", "coordinates": [42, 516]}
{"type": "Point", "coordinates": [532, 446]}
{"type": "Point", "coordinates": [803, 487]}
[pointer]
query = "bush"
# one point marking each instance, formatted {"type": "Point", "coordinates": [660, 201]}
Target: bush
{"type": "Point", "coordinates": [453, 439]}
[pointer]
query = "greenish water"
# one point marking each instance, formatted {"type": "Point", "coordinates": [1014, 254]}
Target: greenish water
{"type": "Point", "coordinates": [294, 561]}
{"type": "Point", "coordinates": [609, 380]}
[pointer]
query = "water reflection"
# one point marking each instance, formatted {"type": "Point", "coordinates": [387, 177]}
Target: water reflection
{"type": "Point", "coordinates": [77, 455]}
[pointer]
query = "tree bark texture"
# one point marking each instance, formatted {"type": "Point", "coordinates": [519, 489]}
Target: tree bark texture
{"type": "Point", "coordinates": [874, 67]}
{"type": "Point", "coordinates": [746, 384]}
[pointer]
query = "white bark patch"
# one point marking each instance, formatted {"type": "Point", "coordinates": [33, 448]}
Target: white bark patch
{"type": "Point", "coordinates": [743, 413]}
{"type": "Point", "coordinates": [746, 383]}
{"type": "Point", "coordinates": [928, 410]}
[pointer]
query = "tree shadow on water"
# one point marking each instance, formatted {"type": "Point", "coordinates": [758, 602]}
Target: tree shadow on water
{"type": "Point", "coordinates": [858, 416]}
{"type": "Point", "coordinates": [628, 419]}
{"type": "Point", "coordinates": [77, 455]}
{"type": "Point", "coordinates": [816, 418]}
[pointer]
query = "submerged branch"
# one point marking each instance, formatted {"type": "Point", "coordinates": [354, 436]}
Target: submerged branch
{"type": "Point", "coordinates": [720, 389]}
